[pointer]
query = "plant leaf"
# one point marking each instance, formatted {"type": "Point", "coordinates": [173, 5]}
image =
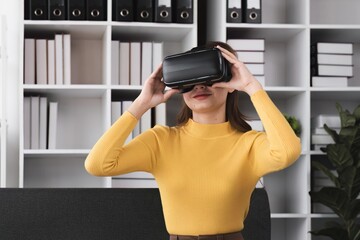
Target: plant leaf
{"type": "Point", "coordinates": [334, 198]}
{"type": "Point", "coordinates": [356, 113]}
{"type": "Point", "coordinates": [327, 172]}
{"type": "Point", "coordinates": [349, 178]}
{"type": "Point", "coordinates": [354, 209]}
{"type": "Point", "coordinates": [355, 233]}
{"type": "Point", "coordinates": [334, 135]}
{"type": "Point", "coordinates": [339, 155]}
{"type": "Point", "coordinates": [347, 119]}
{"type": "Point", "coordinates": [335, 233]}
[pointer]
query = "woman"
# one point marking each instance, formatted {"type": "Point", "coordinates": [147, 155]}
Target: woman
{"type": "Point", "coordinates": [207, 166]}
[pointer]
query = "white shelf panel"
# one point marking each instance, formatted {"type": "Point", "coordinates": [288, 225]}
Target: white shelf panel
{"type": "Point", "coordinates": [288, 215]}
{"type": "Point", "coordinates": [67, 90]}
{"type": "Point", "coordinates": [49, 153]}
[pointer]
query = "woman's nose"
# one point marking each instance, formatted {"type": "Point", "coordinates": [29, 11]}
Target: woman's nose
{"type": "Point", "coordinates": [200, 86]}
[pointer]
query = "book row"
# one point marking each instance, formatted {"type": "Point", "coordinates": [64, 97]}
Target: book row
{"type": "Point", "coordinates": [48, 61]}
{"type": "Point", "coordinates": [40, 123]}
{"type": "Point", "coordinates": [164, 11]}
{"type": "Point", "coordinates": [133, 62]}
{"type": "Point", "coordinates": [252, 53]}
{"type": "Point", "coordinates": [244, 11]}
{"type": "Point", "coordinates": [331, 64]}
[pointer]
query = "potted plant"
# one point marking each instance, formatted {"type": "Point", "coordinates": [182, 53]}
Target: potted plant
{"type": "Point", "coordinates": [294, 123]}
{"type": "Point", "coordinates": [342, 197]}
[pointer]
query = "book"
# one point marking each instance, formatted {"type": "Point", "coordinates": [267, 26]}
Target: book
{"type": "Point", "coordinates": [321, 139]}
{"type": "Point", "coordinates": [59, 76]}
{"type": "Point", "coordinates": [157, 55]}
{"type": "Point", "coordinates": [332, 59]}
{"type": "Point", "coordinates": [53, 113]}
{"type": "Point", "coordinates": [35, 122]}
{"type": "Point", "coordinates": [332, 47]}
{"type": "Point", "coordinates": [27, 122]}
{"type": "Point", "coordinates": [43, 123]}
{"type": "Point", "coordinates": [124, 63]}
{"type": "Point", "coordinates": [256, 68]}
{"type": "Point", "coordinates": [160, 114]}
{"type": "Point", "coordinates": [115, 57]}
{"type": "Point", "coordinates": [251, 56]}
{"type": "Point", "coordinates": [329, 81]}
{"type": "Point", "coordinates": [29, 61]}
{"type": "Point", "coordinates": [41, 61]}
{"type": "Point", "coordinates": [332, 70]}
{"type": "Point", "coordinates": [115, 111]}
{"type": "Point", "coordinates": [332, 121]}
{"type": "Point", "coordinates": [135, 63]}
{"type": "Point", "coordinates": [146, 61]}
{"type": "Point", "coordinates": [124, 107]}
{"type": "Point", "coordinates": [51, 61]}
{"type": "Point", "coordinates": [67, 58]}
{"type": "Point", "coordinates": [247, 44]}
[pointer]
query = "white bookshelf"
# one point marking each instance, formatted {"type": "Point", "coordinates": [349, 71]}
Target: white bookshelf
{"type": "Point", "coordinates": [289, 27]}
{"type": "Point", "coordinates": [3, 122]}
{"type": "Point", "coordinates": [84, 107]}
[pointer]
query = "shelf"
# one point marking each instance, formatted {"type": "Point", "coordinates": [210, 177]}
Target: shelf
{"type": "Point", "coordinates": [50, 153]}
{"type": "Point", "coordinates": [66, 90]}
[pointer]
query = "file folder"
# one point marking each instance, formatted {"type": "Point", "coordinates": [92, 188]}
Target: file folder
{"type": "Point", "coordinates": [144, 11]}
{"type": "Point", "coordinates": [38, 9]}
{"type": "Point", "coordinates": [234, 11]}
{"type": "Point", "coordinates": [123, 10]}
{"type": "Point", "coordinates": [57, 9]}
{"type": "Point", "coordinates": [96, 10]}
{"type": "Point", "coordinates": [183, 11]}
{"type": "Point", "coordinates": [163, 11]}
{"type": "Point", "coordinates": [253, 11]}
{"type": "Point", "coordinates": [76, 9]}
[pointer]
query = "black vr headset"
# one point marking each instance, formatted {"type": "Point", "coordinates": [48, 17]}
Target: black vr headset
{"type": "Point", "coordinates": [198, 66]}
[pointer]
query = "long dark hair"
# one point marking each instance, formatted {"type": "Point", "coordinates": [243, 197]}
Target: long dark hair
{"type": "Point", "coordinates": [232, 112]}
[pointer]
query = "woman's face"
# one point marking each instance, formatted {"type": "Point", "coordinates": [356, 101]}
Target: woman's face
{"type": "Point", "coordinates": [206, 99]}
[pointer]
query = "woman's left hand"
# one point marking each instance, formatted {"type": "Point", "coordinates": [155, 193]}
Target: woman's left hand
{"type": "Point", "coordinates": [242, 79]}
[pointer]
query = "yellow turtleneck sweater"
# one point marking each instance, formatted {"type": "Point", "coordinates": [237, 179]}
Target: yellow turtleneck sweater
{"type": "Point", "coordinates": [205, 172]}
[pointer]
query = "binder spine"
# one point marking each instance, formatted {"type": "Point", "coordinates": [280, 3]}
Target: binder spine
{"type": "Point", "coordinates": [123, 10]}
{"type": "Point", "coordinates": [144, 11]}
{"type": "Point", "coordinates": [234, 11]}
{"type": "Point", "coordinates": [57, 10]}
{"type": "Point", "coordinates": [38, 9]}
{"type": "Point", "coordinates": [163, 11]}
{"type": "Point", "coordinates": [253, 11]}
{"type": "Point", "coordinates": [76, 9]}
{"type": "Point", "coordinates": [183, 11]}
{"type": "Point", "coordinates": [96, 10]}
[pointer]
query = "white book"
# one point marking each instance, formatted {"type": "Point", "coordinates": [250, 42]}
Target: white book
{"type": "Point", "coordinates": [115, 52]}
{"type": "Point", "coordinates": [332, 121]}
{"type": "Point", "coordinates": [59, 76]}
{"type": "Point", "coordinates": [29, 61]}
{"type": "Point", "coordinates": [27, 122]}
{"type": "Point", "coordinates": [135, 63]}
{"type": "Point", "coordinates": [158, 53]}
{"type": "Point", "coordinates": [320, 130]}
{"type": "Point", "coordinates": [251, 56]}
{"type": "Point", "coordinates": [35, 122]}
{"type": "Point", "coordinates": [53, 113]}
{"type": "Point", "coordinates": [145, 121]}
{"type": "Point", "coordinates": [41, 61]}
{"type": "Point", "coordinates": [133, 183]}
{"type": "Point", "coordinates": [51, 62]}
{"type": "Point", "coordinates": [67, 58]}
{"type": "Point", "coordinates": [146, 61]}
{"type": "Point", "coordinates": [317, 147]}
{"type": "Point", "coordinates": [124, 108]}
{"type": "Point", "coordinates": [256, 68]}
{"type": "Point", "coordinates": [124, 63]}
{"type": "Point", "coordinates": [136, 175]}
{"type": "Point", "coordinates": [43, 123]}
{"type": "Point", "coordinates": [115, 111]}
{"type": "Point", "coordinates": [335, 70]}
{"type": "Point", "coordinates": [247, 44]}
{"type": "Point", "coordinates": [321, 139]}
{"type": "Point", "coordinates": [261, 79]}
{"type": "Point", "coordinates": [329, 81]}
{"type": "Point", "coordinates": [337, 48]}
{"type": "Point", "coordinates": [333, 59]}
{"type": "Point", "coordinates": [160, 114]}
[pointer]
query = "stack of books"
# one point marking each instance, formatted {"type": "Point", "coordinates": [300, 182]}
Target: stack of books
{"type": "Point", "coordinates": [331, 64]}
{"type": "Point", "coordinates": [319, 137]}
{"type": "Point", "coordinates": [48, 61]}
{"type": "Point", "coordinates": [252, 53]}
{"type": "Point", "coordinates": [133, 62]}
{"type": "Point", "coordinates": [40, 123]}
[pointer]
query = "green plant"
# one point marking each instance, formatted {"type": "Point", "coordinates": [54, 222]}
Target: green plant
{"type": "Point", "coordinates": [294, 123]}
{"type": "Point", "coordinates": [342, 198]}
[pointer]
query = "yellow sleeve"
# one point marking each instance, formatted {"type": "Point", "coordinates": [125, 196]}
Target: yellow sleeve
{"type": "Point", "coordinates": [110, 156]}
{"type": "Point", "coordinates": [279, 146]}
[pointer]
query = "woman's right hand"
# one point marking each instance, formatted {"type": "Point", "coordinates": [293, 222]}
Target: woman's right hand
{"type": "Point", "coordinates": [152, 94]}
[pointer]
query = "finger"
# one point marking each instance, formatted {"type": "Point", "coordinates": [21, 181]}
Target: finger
{"type": "Point", "coordinates": [157, 73]}
{"type": "Point", "coordinates": [227, 52]}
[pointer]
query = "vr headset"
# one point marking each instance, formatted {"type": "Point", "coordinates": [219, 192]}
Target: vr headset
{"type": "Point", "coordinates": [198, 66]}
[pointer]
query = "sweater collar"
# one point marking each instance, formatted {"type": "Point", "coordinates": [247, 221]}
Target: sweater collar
{"type": "Point", "coordinates": [208, 130]}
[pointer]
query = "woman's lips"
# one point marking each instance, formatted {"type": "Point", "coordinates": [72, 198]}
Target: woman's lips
{"type": "Point", "coordinates": [201, 96]}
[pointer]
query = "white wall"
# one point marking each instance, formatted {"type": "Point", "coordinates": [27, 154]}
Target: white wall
{"type": "Point", "coordinates": [12, 10]}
